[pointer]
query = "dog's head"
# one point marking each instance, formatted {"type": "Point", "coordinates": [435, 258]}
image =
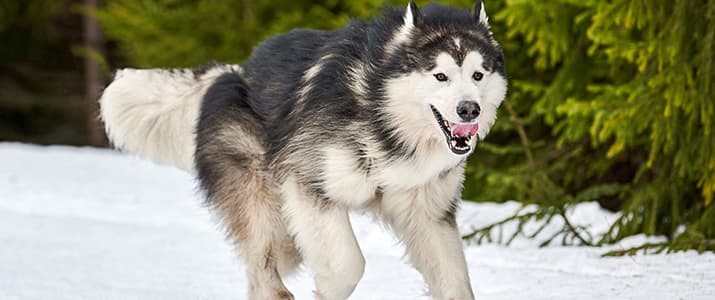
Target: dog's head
{"type": "Point", "coordinates": [452, 75]}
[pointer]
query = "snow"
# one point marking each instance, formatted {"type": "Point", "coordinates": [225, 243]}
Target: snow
{"type": "Point", "coordinates": [83, 223]}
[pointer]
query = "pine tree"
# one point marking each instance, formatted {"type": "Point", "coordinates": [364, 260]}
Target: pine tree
{"type": "Point", "coordinates": [187, 33]}
{"type": "Point", "coordinates": [609, 100]}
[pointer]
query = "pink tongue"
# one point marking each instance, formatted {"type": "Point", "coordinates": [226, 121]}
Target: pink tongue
{"type": "Point", "coordinates": [463, 130]}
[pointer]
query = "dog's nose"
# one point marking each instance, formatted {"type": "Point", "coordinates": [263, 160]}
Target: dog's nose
{"type": "Point", "coordinates": [468, 110]}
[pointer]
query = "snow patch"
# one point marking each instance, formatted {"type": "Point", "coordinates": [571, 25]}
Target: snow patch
{"type": "Point", "coordinates": [97, 224]}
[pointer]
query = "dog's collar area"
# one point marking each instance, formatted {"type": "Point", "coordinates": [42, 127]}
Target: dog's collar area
{"type": "Point", "coordinates": [459, 145]}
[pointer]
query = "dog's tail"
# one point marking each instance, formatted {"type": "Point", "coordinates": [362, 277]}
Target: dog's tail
{"type": "Point", "coordinates": [153, 112]}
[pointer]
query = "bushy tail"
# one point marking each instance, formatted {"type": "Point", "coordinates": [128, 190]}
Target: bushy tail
{"type": "Point", "coordinates": [153, 112]}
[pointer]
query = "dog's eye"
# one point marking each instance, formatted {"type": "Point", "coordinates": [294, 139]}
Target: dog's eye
{"type": "Point", "coordinates": [478, 76]}
{"type": "Point", "coordinates": [441, 77]}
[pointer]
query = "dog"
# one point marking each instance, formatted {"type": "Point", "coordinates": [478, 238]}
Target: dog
{"type": "Point", "coordinates": [378, 116]}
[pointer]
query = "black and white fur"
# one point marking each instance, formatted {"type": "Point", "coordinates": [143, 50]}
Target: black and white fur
{"type": "Point", "coordinates": [317, 123]}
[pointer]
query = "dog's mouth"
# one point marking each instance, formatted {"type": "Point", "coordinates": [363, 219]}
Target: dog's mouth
{"type": "Point", "coordinates": [458, 136]}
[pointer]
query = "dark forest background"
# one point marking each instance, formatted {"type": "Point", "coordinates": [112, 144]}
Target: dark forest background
{"type": "Point", "coordinates": [609, 101]}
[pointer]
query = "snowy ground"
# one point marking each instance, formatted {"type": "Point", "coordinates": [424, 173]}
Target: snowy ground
{"type": "Point", "coordinates": [81, 223]}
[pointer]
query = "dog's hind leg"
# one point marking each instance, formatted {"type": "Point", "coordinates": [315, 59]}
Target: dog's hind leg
{"type": "Point", "coordinates": [232, 171]}
{"type": "Point", "coordinates": [259, 237]}
{"type": "Point", "coordinates": [248, 205]}
{"type": "Point", "coordinates": [289, 257]}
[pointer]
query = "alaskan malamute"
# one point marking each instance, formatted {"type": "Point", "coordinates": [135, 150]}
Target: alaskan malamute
{"type": "Point", "coordinates": [376, 116]}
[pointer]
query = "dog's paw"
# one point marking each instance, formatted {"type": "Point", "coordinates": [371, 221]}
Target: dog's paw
{"type": "Point", "coordinates": [466, 295]}
{"type": "Point", "coordinates": [278, 294]}
{"type": "Point", "coordinates": [460, 298]}
{"type": "Point", "coordinates": [284, 295]}
{"type": "Point", "coordinates": [318, 296]}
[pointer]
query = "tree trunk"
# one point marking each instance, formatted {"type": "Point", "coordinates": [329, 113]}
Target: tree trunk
{"type": "Point", "coordinates": [94, 78]}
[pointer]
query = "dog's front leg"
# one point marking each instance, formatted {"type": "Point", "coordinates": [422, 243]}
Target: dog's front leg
{"type": "Point", "coordinates": [427, 227]}
{"type": "Point", "coordinates": [325, 237]}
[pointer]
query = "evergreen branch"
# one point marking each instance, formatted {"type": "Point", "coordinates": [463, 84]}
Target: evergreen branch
{"type": "Point", "coordinates": [576, 233]}
{"type": "Point", "coordinates": [482, 232]}
{"type": "Point", "coordinates": [552, 237]}
{"type": "Point", "coordinates": [670, 246]}
{"type": "Point", "coordinates": [559, 152]}
{"type": "Point", "coordinates": [525, 142]}
{"type": "Point", "coordinates": [634, 250]}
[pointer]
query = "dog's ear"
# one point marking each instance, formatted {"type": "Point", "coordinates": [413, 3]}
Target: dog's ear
{"type": "Point", "coordinates": [413, 15]}
{"type": "Point", "coordinates": [480, 14]}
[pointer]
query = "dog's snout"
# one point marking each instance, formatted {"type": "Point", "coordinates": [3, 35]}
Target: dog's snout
{"type": "Point", "coordinates": [468, 110]}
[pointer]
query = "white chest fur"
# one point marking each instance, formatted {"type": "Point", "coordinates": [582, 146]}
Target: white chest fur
{"type": "Point", "coordinates": [348, 182]}
{"type": "Point", "coordinates": [344, 180]}
{"type": "Point", "coordinates": [418, 171]}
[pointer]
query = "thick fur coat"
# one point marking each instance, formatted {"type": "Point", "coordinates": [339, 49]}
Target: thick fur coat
{"type": "Point", "coordinates": [378, 116]}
